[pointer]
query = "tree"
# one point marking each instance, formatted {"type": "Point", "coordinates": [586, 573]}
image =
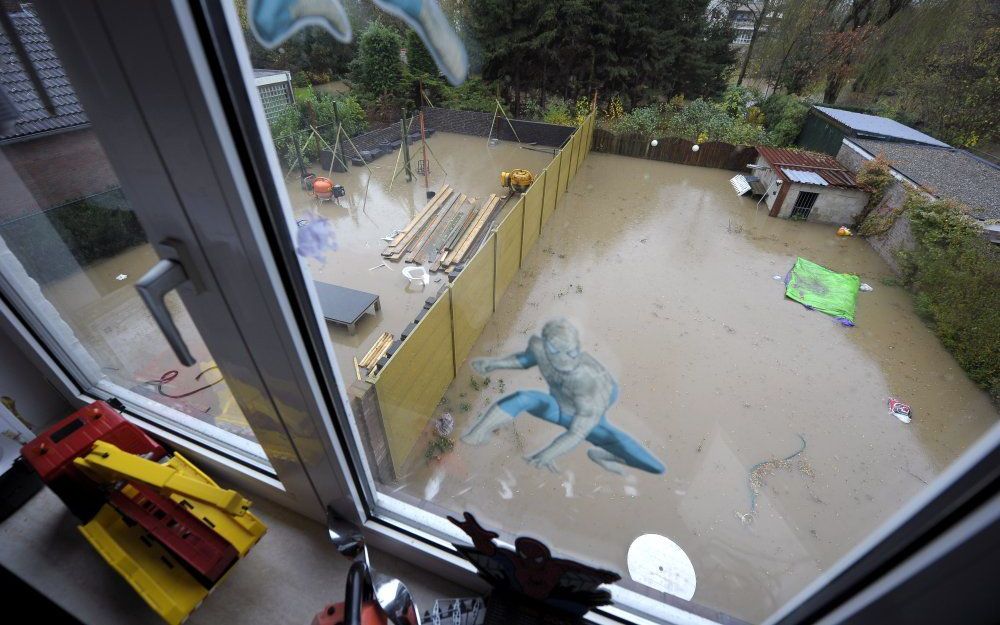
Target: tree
{"type": "Point", "coordinates": [938, 69]}
{"type": "Point", "coordinates": [418, 60]}
{"type": "Point", "coordinates": [377, 70]}
{"type": "Point", "coordinates": [637, 48]}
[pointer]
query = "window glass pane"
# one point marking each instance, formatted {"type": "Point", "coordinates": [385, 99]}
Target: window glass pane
{"type": "Point", "coordinates": [561, 317]}
{"type": "Point", "coordinates": [71, 250]}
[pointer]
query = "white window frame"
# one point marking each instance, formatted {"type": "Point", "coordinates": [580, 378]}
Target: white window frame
{"type": "Point", "coordinates": [170, 91]}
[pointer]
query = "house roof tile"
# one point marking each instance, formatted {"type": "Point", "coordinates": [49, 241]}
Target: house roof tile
{"type": "Point", "coordinates": [14, 80]}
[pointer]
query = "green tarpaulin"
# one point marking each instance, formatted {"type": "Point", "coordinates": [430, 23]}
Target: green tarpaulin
{"type": "Point", "coordinates": [827, 291]}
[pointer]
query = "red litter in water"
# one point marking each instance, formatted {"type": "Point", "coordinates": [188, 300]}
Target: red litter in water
{"type": "Point", "coordinates": [899, 410]}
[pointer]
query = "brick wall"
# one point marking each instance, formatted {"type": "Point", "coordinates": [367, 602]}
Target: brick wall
{"type": "Point", "coordinates": [464, 123]}
{"type": "Point", "coordinates": [478, 124]}
{"type": "Point", "coordinates": [53, 170]}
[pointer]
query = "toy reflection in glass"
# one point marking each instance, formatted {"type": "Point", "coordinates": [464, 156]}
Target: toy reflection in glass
{"type": "Point", "coordinates": [274, 21]}
{"type": "Point", "coordinates": [581, 391]}
{"type": "Point", "coordinates": [528, 575]}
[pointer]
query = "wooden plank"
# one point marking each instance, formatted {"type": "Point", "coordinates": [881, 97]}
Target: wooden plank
{"type": "Point", "coordinates": [405, 243]}
{"type": "Point", "coordinates": [368, 360]}
{"type": "Point", "coordinates": [378, 350]}
{"type": "Point", "coordinates": [480, 238]}
{"type": "Point", "coordinates": [455, 238]}
{"type": "Point", "coordinates": [480, 224]}
{"type": "Point", "coordinates": [416, 218]}
{"type": "Point", "coordinates": [436, 241]}
{"type": "Point", "coordinates": [470, 218]}
{"type": "Point", "coordinates": [471, 232]}
{"type": "Point", "coordinates": [425, 215]}
{"type": "Point", "coordinates": [428, 234]}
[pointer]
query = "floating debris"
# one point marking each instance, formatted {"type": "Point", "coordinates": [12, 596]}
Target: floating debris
{"type": "Point", "coordinates": [759, 473]}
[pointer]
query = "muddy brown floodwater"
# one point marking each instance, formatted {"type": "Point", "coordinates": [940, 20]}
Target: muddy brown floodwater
{"type": "Point", "coordinates": [669, 278]}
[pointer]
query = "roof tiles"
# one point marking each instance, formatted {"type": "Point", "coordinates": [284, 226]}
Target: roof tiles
{"type": "Point", "coordinates": [15, 81]}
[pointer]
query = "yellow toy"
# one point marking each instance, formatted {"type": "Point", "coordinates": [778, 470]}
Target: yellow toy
{"type": "Point", "coordinates": [162, 576]}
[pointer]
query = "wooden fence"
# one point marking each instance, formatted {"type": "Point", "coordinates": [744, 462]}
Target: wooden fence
{"type": "Point", "coordinates": [676, 150]}
{"type": "Point", "coordinates": [410, 385]}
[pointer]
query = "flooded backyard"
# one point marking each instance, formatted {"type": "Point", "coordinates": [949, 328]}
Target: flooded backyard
{"type": "Point", "coordinates": [466, 163]}
{"type": "Point", "coordinates": [771, 419]}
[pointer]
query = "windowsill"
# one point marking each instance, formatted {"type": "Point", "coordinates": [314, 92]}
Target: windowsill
{"type": "Point", "coordinates": [287, 578]}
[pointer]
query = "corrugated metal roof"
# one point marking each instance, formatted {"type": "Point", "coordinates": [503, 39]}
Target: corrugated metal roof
{"type": "Point", "coordinates": [805, 177]}
{"type": "Point", "coordinates": [33, 116]}
{"type": "Point", "coordinates": [826, 167]}
{"type": "Point", "coordinates": [879, 127]}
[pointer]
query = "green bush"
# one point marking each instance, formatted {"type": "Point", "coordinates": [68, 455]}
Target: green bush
{"type": "Point", "coordinates": [955, 275]}
{"type": "Point", "coordinates": [702, 120]}
{"type": "Point", "coordinates": [784, 116]}
{"type": "Point", "coordinates": [472, 95]}
{"type": "Point", "coordinates": [91, 230]}
{"type": "Point", "coordinates": [875, 177]}
{"type": "Point", "coordinates": [557, 112]}
{"type": "Point", "coordinates": [645, 120]}
{"type": "Point", "coordinates": [292, 123]}
{"type": "Point", "coordinates": [300, 79]}
{"type": "Point", "coordinates": [736, 100]}
{"type": "Point", "coordinates": [377, 69]}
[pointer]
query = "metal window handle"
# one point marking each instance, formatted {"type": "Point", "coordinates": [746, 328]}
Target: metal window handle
{"type": "Point", "coordinates": [165, 276]}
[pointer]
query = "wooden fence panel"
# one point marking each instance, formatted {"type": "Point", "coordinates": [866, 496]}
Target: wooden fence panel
{"type": "Point", "coordinates": [574, 155]}
{"type": "Point", "coordinates": [472, 298]}
{"type": "Point", "coordinates": [551, 189]}
{"type": "Point", "coordinates": [563, 171]}
{"type": "Point", "coordinates": [715, 154]}
{"type": "Point", "coordinates": [508, 250]}
{"type": "Point", "coordinates": [533, 201]}
{"type": "Point", "coordinates": [412, 383]}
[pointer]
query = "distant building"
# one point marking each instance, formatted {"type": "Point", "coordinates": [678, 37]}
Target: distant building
{"type": "Point", "coordinates": [742, 20]}
{"type": "Point", "coordinates": [742, 16]}
{"type": "Point", "coordinates": [274, 86]}
{"type": "Point", "coordinates": [808, 186]}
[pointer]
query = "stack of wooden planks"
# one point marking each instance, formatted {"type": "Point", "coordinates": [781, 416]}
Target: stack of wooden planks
{"type": "Point", "coordinates": [446, 231]}
{"type": "Point", "coordinates": [380, 347]}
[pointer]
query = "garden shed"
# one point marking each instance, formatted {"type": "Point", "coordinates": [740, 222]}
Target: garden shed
{"type": "Point", "coordinates": [825, 128]}
{"type": "Point", "coordinates": [808, 186]}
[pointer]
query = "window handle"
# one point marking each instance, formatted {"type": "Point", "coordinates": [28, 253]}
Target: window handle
{"type": "Point", "coordinates": [165, 276]}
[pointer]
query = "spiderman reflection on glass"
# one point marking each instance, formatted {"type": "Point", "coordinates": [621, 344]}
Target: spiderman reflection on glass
{"type": "Point", "coordinates": [581, 391]}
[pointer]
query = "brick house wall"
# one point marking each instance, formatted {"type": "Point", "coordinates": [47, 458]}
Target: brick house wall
{"type": "Point", "coordinates": [53, 169]}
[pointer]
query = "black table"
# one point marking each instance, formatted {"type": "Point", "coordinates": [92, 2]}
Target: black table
{"type": "Point", "coordinates": [344, 306]}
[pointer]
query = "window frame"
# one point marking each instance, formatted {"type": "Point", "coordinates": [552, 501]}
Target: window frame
{"type": "Point", "coordinates": [113, 50]}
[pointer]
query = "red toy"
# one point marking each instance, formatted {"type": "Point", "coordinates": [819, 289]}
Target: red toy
{"type": "Point", "coordinates": [202, 551]}
{"type": "Point", "coordinates": [52, 452]}
{"type": "Point", "coordinates": [205, 554]}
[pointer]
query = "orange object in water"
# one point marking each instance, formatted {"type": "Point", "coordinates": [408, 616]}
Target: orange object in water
{"type": "Point", "coordinates": [323, 188]}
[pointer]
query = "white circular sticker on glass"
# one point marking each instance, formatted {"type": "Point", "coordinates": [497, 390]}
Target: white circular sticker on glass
{"type": "Point", "coordinates": [657, 562]}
